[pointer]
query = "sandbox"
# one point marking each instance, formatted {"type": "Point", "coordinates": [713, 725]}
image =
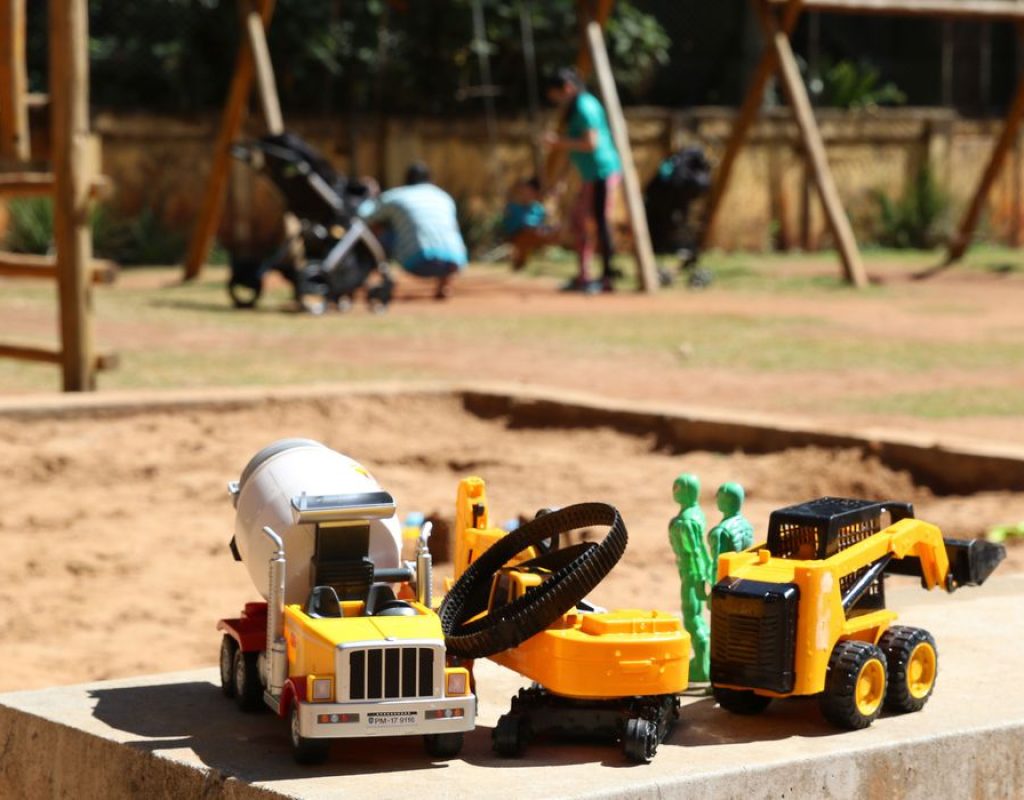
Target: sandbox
{"type": "Point", "coordinates": [117, 503]}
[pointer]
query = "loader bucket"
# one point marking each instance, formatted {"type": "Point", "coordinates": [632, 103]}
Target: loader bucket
{"type": "Point", "coordinates": [971, 561]}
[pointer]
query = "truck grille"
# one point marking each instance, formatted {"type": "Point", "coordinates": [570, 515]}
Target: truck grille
{"type": "Point", "coordinates": [391, 673]}
{"type": "Point", "coordinates": [753, 634]}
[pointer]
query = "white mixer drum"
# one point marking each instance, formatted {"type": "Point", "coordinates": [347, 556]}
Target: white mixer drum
{"type": "Point", "coordinates": [273, 477]}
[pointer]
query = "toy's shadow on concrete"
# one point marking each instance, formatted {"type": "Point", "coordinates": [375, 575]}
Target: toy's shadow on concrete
{"type": "Point", "coordinates": [702, 723]}
{"type": "Point", "coordinates": [251, 747]}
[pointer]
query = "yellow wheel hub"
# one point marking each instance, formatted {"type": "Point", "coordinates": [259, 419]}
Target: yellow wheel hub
{"type": "Point", "coordinates": [870, 687]}
{"type": "Point", "coordinates": [921, 670]}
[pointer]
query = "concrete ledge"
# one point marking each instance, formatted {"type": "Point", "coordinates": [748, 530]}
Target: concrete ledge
{"type": "Point", "coordinates": [176, 736]}
{"type": "Point", "coordinates": [946, 465]}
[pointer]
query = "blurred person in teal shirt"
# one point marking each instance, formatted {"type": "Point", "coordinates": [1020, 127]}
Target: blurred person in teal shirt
{"type": "Point", "coordinates": [588, 142]}
{"type": "Point", "coordinates": [524, 221]}
{"type": "Point", "coordinates": [420, 228]}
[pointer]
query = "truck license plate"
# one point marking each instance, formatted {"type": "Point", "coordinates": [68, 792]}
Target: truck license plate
{"type": "Point", "coordinates": [391, 719]}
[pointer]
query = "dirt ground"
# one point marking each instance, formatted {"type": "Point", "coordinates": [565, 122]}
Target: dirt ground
{"type": "Point", "coordinates": [115, 528]}
{"type": "Point", "coordinates": [941, 356]}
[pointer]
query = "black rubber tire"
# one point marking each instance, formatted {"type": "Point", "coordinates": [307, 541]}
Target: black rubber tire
{"type": "Point", "coordinates": [228, 648]}
{"type": "Point", "coordinates": [245, 294]}
{"type": "Point", "coordinates": [306, 751]}
{"type": "Point", "coordinates": [528, 615]}
{"type": "Point", "coordinates": [899, 643]}
{"type": "Point", "coordinates": [640, 740]}
{"type": "Point", "coordinates": [740, 701]}
{"type": "Point", "coordinates": [839, 700]}
{"type": "Point", "coordinates": [510, 736]}
{"type": "Point", "coordinates": [442, 745]}
{"type": "Point", "coordinates": [248, 690]}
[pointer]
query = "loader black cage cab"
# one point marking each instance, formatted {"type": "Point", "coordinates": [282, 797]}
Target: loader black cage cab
{"type": "Point", "coordinates": [821, 528]}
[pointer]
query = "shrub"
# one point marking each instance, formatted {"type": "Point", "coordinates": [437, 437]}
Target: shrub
{"type": "Point", "coordinates": [31, 225]}
{"type": "Point", "coordinates": [131, 241]}
{"type": "Point", "coordinates": [916, 219]}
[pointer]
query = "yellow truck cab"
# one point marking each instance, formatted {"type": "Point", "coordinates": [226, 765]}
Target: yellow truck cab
{"type": "Point", "coordinates": [343, 647]}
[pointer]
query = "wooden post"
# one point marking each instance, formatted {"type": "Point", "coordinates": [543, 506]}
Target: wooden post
{"type": "Point", "coordinates": [647, 268]}
{"type": "Point", "coordinates": [959, 243]}
{"type": "Point", "coordinates": [265, 82]}
{"type": "Point", "coordinates": [959, 9]}
{"type": "Point", "coordinates": [231, 124]}
{"type": "Point", "coordinates": [14, 139]}
{"type": "Point", "coordinates": [69, 98]}
{"type": "Point", "coordinates": [766, 68]}
{"type": "Point", "coordinates": [814, 146]}
{"type": "Point", "coordinates": [588, 11]}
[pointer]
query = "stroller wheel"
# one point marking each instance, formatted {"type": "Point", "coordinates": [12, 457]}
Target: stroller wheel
{"type": "Point", "coordinates": [665, 278]}
{"type": "Point", "coordinates": [699, 277]}
{"type": "Point", "coordinates": [379, 297]}
{"type": "Point", "coordinates": [245, 294]}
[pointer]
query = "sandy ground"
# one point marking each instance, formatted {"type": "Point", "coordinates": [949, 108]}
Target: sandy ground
{"type": "Point", "coordinates": [115, 529]}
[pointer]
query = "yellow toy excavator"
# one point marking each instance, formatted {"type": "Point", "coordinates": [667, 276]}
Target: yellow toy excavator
{"type": "Point", "coordinates": [804, 613]}
{"type": "Point", "coordinates": [518, 599]}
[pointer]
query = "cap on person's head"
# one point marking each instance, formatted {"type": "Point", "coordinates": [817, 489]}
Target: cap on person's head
{"type": "Point", "coordinates": [417, 172]}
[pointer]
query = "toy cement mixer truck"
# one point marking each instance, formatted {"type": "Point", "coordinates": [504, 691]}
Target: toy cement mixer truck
{"type": "Point", "coordinates": [334, 648]}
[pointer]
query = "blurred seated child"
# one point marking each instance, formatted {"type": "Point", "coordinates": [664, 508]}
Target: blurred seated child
{"type": "Point", "coordinates": [523, 221]}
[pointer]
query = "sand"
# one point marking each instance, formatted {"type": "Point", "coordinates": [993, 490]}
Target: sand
{"type": "Point", "coordinates": [115, 528]}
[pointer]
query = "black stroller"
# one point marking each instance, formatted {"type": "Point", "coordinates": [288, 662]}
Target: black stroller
{"type": "Point", "coordinates": [333, 254]}
{"type": "Point", "coordinates": [682, 178]}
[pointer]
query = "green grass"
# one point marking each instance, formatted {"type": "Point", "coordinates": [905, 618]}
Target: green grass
{"type": "Point", "coordinates": [948, 403]}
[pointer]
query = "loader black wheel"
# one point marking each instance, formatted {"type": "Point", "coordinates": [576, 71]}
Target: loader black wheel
{"type": "Point", "coordinates": [442, 745]}
{"type": "Point", "coordinates": [640, 740]}
{"type": "Point", "coordinates": [248, 691]}
{"type": "Point", "coordinates": [304, 750]}
{"type": "Point", "coordinates": [740, 701]}
{"type": "Point", "coordinates": [575, 571]}
{"type": "Point", "coordinates": [510, 736]}
{"type": "Point", "coordinates": [855, 685]}
{"type": "Point", "coordinates": [228, 648]}
{"type": "Point", "coordinates": [913, 665]}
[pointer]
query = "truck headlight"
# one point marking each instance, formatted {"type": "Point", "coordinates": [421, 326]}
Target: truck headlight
{"type": "Point", "coordinates": [456, 682]}
{"type": "Point", "coordinates": [320, 690]}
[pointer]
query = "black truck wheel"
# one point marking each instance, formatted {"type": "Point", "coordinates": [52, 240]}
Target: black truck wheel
{"type": "Point", "coordinates": [306, 751]}
{"type": "Point", "coordinates": [510, 735]}
{"type": "Point", "coordinates": [855, 685]}
{"type": "Point", "coordinates": [228, 647]}
{"type": "Point", "coordinates": [248, 691]}
{"type": "Point", "coordinates": [443, 745]}
{"type": "Point", "coordinates": [740, 701]}
{"type": "Point", "coordinates": [575, 572]}
{"type": "Point", "coordinates": [913, 662]}
{"type": "Point", "coordinates": [640, 740]}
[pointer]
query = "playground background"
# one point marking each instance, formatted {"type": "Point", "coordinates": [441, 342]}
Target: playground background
{"type": "Point", "coordinates": [123, 518]}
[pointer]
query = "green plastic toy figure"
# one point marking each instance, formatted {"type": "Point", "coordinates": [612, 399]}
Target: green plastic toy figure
{"type": "Point", "coordinates": [734, 532]}
{"type": "Point", "coordinates": [686, 535]}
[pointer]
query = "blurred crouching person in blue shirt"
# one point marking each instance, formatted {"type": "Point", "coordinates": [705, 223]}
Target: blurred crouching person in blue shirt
{"type": "Point", "coordinates": [421, 228]}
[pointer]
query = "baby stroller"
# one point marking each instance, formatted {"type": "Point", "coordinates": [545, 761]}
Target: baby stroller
{"type": "Point", "coordinates": [333, 253]}
{"type": "Point", "coordinates": [682, 178]}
